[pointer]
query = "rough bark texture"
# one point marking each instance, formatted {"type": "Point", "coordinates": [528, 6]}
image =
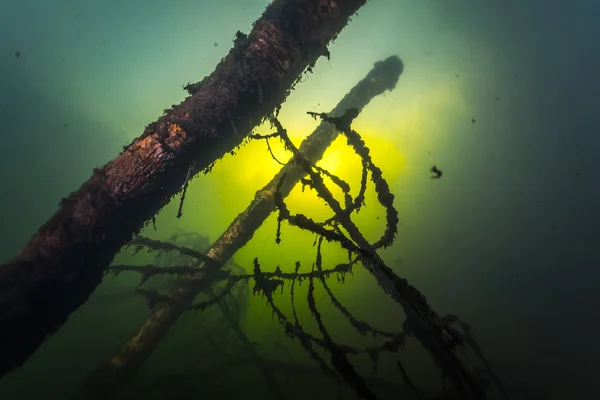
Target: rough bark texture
{"type": "Point", "coordinates": [65, 260]}
{"type": "Point", "coordinates": [130, 357]}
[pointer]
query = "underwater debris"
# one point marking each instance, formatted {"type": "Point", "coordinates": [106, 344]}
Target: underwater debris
{"type": "Point", "coordinates": [144, 243]}
{"type": "Point", "coordinates": [437, 172]}
{"type": "Point", "coordinates": [109, 208]}
{"type": "Point", "coordinates": [433, 333]}
{"type": "Point", "coordinates": [338, 359]}
{"type": "Point", "coordinates": [153, 297]}
{"type": "Point", "coordinates": [189, 175]}
{"type": "Point", "coordinates": [341, 365]}
{"type": "Point", "coordinates": [149, 270]}
{"type": "Point", "coordinates": [115, 370]}
{"type": "Point", "coordinates": [436, 334]}
{"type": "Point", "coordinates": [184, 266]}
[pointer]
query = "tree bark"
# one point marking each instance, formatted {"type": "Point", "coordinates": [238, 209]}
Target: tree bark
{"type": "Point", "coordinates": [106, 379]}
{"type": "Point", "coordinates": [65, 260]}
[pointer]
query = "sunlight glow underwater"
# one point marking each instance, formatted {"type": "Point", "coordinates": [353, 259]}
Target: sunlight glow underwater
{"type": "Point", "coordinates": [398, 128]}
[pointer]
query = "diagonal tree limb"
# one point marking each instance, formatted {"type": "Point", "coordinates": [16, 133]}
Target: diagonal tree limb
{"type": "Point", "coordinates": [126, 361]}
{"type": "Point", "coordinates": [65, 260]}
{"type": "Point", "coordinates": [427, 326]}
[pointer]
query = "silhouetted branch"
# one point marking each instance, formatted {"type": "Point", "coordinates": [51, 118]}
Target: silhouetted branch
{"type": "Point", "coordinates": [110, 374]}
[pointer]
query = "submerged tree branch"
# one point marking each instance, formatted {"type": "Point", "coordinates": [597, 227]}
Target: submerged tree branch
{"type": "Point", "coordinates": [110, 374]}
{"type": "Point", "coordinates": [65, 260]}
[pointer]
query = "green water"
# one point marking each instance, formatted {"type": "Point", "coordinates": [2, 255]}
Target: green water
{"type": "Point", "coordinates": [501, 97]}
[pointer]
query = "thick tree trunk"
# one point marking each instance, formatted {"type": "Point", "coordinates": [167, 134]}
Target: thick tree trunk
{"type": "Point", "coordinates": [130, 357]}
{"type": "Point", "coordinates": [65, 260]}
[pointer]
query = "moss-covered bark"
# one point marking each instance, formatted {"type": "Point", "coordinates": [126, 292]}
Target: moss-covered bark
{"type": "Point", "coordinates": [64, 261]}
